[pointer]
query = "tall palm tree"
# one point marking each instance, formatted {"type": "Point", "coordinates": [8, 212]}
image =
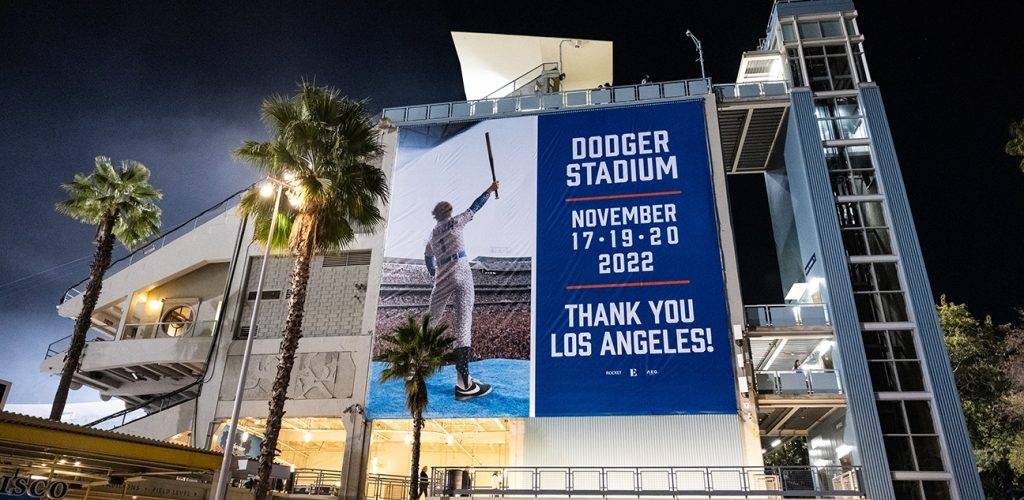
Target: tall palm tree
{"type": "Point", "coordinates": [324, 146]}
{"type": "Point", "coordinates": [121, 203]}
{"type": "Point", "coordinates": [413, 352]}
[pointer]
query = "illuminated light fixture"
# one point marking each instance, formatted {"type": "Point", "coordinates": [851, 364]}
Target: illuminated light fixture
{"type": "Point", "coordinates": [294, 201]}
{"type": "Point", "coordinates": [38, 478]}
{"type": "Point", "coordinates": [307, 437]}
{"type": "Point", "coordinates": [245, 436]}
{"type": "Point", "coordinates": [843, 450]}
{"type": "Point", "coordinates": [62, 461]}
{"type": "Point", "coordinates": [288, 176]}
{"type": "Point", "coordinates": [155, 304]}
{"type": "Point", "coordinates": [776, 443]}
{"type": "Point", "coordinates": [266, 189]}
{"type": "Point", "coordinates": [408, 438]}
{"type": "Point", "coordinates": [450, 439]}
{"type": "Point", "coordinates": [763, 451]}
{"type": "Point", "coordinates": [140, 298]}
{"type": "Point", "coordinates": [78, 464]}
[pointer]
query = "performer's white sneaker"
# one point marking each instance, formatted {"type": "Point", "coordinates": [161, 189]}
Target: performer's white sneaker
{"type": "Point", "coordinates": [475, 390]}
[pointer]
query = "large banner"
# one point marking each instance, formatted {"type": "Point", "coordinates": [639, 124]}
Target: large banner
{"type": "Point", "coordinates": [591, 285]}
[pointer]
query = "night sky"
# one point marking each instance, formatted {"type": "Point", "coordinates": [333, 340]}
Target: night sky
{"type": "Point", "coordinates": [177, 85]}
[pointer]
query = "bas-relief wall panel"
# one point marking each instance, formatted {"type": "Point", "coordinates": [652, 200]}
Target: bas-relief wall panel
{"type": "Point", "coordinates": [316, 375]}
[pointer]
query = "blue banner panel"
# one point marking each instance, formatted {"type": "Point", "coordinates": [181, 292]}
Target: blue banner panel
{"type": "Point", "coordinates": [630, 310]}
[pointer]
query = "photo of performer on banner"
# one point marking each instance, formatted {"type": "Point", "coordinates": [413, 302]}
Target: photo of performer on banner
{"type": "Point", "coordinates": [458, 252]}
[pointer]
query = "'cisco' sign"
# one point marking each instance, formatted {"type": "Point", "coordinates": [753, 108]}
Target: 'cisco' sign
{"type": "Point", "coordinates": [15, 486]}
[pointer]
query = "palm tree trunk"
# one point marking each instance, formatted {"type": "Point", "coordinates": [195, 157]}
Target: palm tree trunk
{"type": "Point", "coordinates": [73, 358]}
{"type": "Point", "coordinates": [289, 344]}
{"type": "Point", "coordinates": [417, 427]}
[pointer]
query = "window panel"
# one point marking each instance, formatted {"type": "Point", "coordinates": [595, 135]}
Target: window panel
{"type": "Point", "coordinates": [909, 374]}
{"type": "Point", "coordinates": [907, 490]}
{"type": "Point", "coordinates": [788, 32]}
{"type": "Point", "coordinates": [890, 417]}
{"type": "Point", "coordinates": [902, 344]}
{"type": "Point", "coordinates": [936, 490]}
{"type": "Point", "coordinates": [831, 28]}
{"type": "Point", "coordinates": [928, 453]}
{"type": "Point", "coordinates": [883, 376]}
{"type": "Point", "coordinates": [899, 452]}
{"type": "Point", "coordinates": [919, 417]}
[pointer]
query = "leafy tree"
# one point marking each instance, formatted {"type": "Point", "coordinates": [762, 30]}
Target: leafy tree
{"type": "Point", "coordinates": [1015, 146]}
{"type": "Point", "coordinates": [121, 204]}
{"type": "Point", "coordinates": [413, 352]}
{"type": "Point", "coordinates": [324, 146]}
{"type": "Point", "coordinates": [792, 452]}
{"type": "Point", "coordinates": [990, 379]}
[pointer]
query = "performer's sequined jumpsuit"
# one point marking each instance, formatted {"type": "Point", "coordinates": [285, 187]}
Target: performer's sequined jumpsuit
{"type": "Point", "coordinates": [446, 261]}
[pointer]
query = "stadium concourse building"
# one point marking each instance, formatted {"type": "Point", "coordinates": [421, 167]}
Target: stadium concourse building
{"type": "Point", "coordinates": [596, 296]}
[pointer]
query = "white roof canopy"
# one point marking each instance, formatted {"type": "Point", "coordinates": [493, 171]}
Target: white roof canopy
{"type": "Point", "coordinates": [490, 61]}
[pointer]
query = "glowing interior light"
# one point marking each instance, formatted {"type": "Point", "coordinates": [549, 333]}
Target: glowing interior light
{"type": "Point", "coordinates": [307, 437]}
{"type": "Point", "coordinates": [408, 439]}
{"type": "Point", "coordinates": [450, 439]}
{"type": "Point", "coordinates": [776, 442]}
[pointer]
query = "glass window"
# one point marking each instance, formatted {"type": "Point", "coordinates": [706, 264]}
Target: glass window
{"type": "Point", "coordinates": [936, 490]}
{"type": "Point", "coordinates": [831, 28]}
{"type": "Point", "coordinates": [928, 453]}
{"type": "Point", "coordinates": [810, 29]}
{"type": "Point", "coordinates": [906, 447]}
{"type": "Point", "coordinates": [788, 32]}
{"type": "Point", "coordinates": [907, 490]}
{"type": "Point", "coordinates": [795, 69]}
{"type": "Point", "coordinates": [883, 376]}
{"type": "Point", "coordinates": [919, 417]}
{"type": "Point", "coordinates": [899, 452]}
{"type": "Point", "coordinates": [851, 28]}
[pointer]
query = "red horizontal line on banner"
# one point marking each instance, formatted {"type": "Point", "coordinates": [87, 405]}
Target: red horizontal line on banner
{"type": "Point", "coordinates": [625, 285]}
{"type": "Point", "coordinates": [619, 196]}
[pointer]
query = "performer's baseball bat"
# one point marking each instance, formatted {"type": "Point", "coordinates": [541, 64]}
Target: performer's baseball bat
{"type": "Point", "coordinates": [490, 158]}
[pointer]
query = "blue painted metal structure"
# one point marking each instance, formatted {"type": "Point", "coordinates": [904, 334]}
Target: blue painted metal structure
{"type": "Point", "coordinates": [946, 398]}
{"type": "Point", "coordinates": [812, 198]}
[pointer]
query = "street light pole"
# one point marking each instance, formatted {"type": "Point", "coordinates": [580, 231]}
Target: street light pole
{"type": "Point", "coordinates": [700, 52]}
{"type": "Point", "coordinates": [220, 493]}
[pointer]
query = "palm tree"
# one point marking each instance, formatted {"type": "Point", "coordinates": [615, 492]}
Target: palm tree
{"type": "Point", "coordinates": [121, 203]}
{"type": "Point", "coordinates": [324, 146]}
{"type": "Point", "coordinates": [413, 352]}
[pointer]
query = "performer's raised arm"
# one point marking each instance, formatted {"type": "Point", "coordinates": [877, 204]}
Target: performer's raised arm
{"type": "Point", "coordinates": [480, 200]}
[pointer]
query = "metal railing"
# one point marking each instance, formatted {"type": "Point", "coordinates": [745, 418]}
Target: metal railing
{"type": "Point", "coordinates": [169, 329]}
{"type": "Point", "coordinates": [159, 241]}
{"type": "Point", "coordinates": [142, 410]}
{"type": "Point", "coordinates": [386, 487]}
{"type": "Point", "coordinates": [532, 104]}
{"type": "Point", "coordinates": [701, 482]}
{"type": "Point", "coordinates": [786, 315]}
{"type": "Point", "coordinates": [315, 482]}
{"type": "Point", "coordinates": [752, 90]}
{"type": "Point", "coordinates": [135, 331]}
{"type": "Point", "coordinates": [797, 382]}
{"type": "Point", "coordinates": [525, 78]}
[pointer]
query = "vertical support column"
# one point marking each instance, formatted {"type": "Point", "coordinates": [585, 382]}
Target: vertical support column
{"type": "Point", "coordinates": [357, 450]}
{"type": "Point", "coordinates": [946, 398]}
{"type": "Point", "coordinates": [809, 179]}
{"type": "Point", "coordinates": [750, 436]}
